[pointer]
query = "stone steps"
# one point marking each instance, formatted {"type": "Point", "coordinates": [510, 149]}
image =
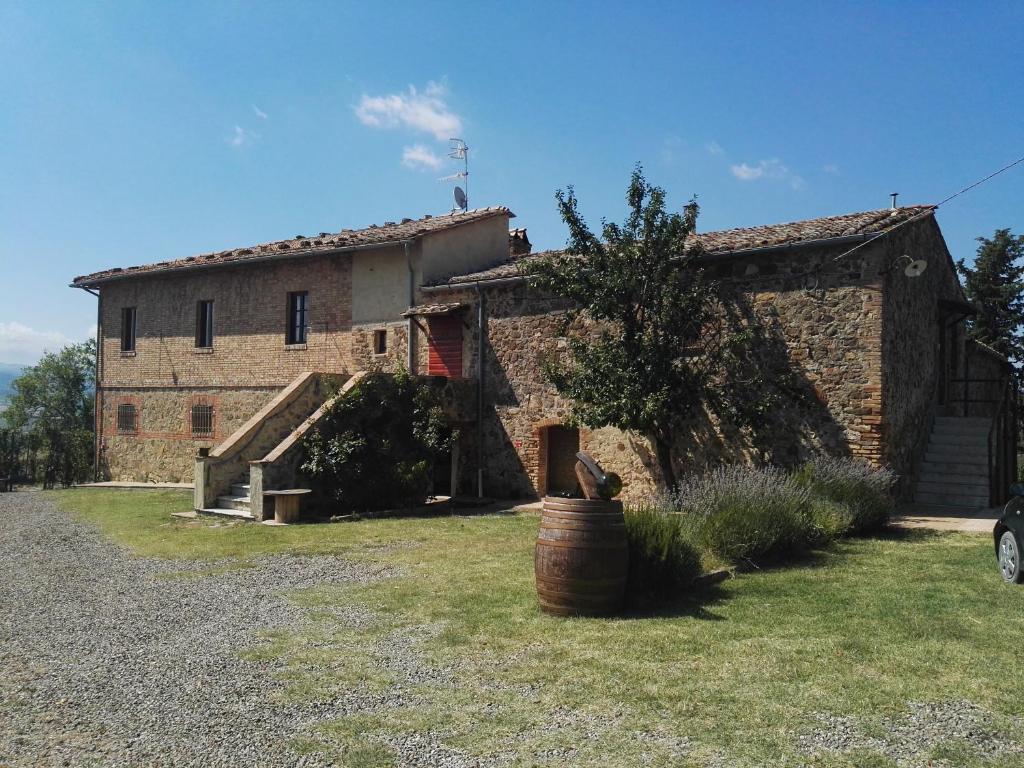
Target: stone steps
{"type": "Point", "coordinates": [240, 503]}
{"type": "Point", "coordinates": [955, 468]}
{"type": "Point", "coordinates": [240, 489]}
{"type": "Point", "coordinates": [226, 512]}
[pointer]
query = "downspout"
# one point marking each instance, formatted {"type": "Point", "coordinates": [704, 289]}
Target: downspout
{"type": "Point", "coordinates": [98, 392]}
{"type": "Point", "coordinates": [481, 313]}
{"type": "Point", "coordinates": [411, 353]}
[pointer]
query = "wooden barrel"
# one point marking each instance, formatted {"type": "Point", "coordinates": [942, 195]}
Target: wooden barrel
{"type": "Point", "coordinates": [582, 560]}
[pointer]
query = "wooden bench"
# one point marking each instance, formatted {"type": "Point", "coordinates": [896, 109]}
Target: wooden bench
{"type": "Point", "coordinates": [286, 504]}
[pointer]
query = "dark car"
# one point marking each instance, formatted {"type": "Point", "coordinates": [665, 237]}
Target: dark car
{"type": "Point", "coordinates": [1008, 535]}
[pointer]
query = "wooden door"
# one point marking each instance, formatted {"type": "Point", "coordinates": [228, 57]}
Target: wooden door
{"type": "Point", "coordinates": [444, 339]}
{"type": "Point", "coordinates": [563, 444]}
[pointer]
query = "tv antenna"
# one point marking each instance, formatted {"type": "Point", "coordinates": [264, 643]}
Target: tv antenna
{"type": "Point", "coordinates": [459, 151]}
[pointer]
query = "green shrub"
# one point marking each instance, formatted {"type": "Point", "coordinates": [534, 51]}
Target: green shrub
{"type": "Point", "coordinates": [375, 448]}
{"type": "Point", "coordinates": [747, 513]}
{"type": "Point", "coordinates": [863, 492]}
{"type": "Point", "coordinates": [663, 560]}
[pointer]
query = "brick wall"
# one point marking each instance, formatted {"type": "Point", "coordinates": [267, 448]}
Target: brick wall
{"type": "Point", "coordinates": [248, 363]}
{"type": "Point", "coordinates": [250, 307]}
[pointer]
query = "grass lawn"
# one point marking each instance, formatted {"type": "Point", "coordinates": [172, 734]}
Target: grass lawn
{"type": "Point", "coordinates": [861, 629]}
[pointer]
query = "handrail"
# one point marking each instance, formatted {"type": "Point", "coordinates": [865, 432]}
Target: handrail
{"type": "Point", "coordinates": [994, 493]}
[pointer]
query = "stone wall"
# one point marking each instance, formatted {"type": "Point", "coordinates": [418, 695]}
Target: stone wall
{"type": "Point", "coordinates": [164, 448]}
{"type": "Point", "coordinates": [816, 320]}
{"type": "Point", "coordinates": [912, 318]}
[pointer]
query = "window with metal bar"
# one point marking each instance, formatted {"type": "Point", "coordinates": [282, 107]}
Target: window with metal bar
{"type": "Point", "coordinates": [380, 342]}
{"type": "Point", "coordinates": [204, 324]}
{"type": "Point", "coordinates": [298, 317]}
{"type": "Point", "coordinates": [202, 419]}
{"type": "Point", "coordinates": [127, 419]}
{"type": "Point", "coordinates": [128, 320]}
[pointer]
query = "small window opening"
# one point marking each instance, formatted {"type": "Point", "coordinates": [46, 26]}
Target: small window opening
{"type": "Point", "coordinates": [127, 419]}
{"type": "Point", "coordinates": [128, 320]}
{"type": "Point", "coordinates": [202, 419]}
{"type": "Point", "coordinates": [204, 324]}
{"type": "Point", "coordinates": [298, 317]}
{"type": "Point", "coordinates": [380, 342]}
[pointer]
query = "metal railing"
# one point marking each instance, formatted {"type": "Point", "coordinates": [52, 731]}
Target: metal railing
{"type": "Point", "coordinates": [1001, 441]}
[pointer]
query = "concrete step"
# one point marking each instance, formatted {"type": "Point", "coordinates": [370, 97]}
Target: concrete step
{"type": "Point", "coordinates": [240, 503]}
{"type": "Point", "coordinates": [963, 422]}
{"type": "Point", "coordinates": [972, 501]}
{"type": "Point", "coordinates": [926, 485]}
{"type": "Point", "coordinates": [951, 453]}
{"type": "Point", "coordinates": [226, 512]}
{"type": "Point", "coordinates": [977, 468]}
{"type": "Point", "coordinates": [954, 478]}
{"type": "Point", "coordinates": [240, 489]}
{"type": "Point", "coordinates": [956, 438]}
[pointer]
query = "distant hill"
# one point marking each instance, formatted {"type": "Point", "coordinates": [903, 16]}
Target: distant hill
{"type": "Point", "coordinates": [8, 373]}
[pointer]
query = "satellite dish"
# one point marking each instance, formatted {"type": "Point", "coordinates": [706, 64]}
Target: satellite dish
{"type": "Point", "coordinates": [915, 268]}
{"type": "Point", "coordinates": [460, 199]}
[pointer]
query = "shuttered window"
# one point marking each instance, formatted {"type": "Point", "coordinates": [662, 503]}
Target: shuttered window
{"type": "Point", "coordinates": [298, 317]}
{"type": "Point", "coordinates": [204, 324]}
{"type": "Point", "coordinates": [444, 339]}
{"type": "Point", "coordinates": [128, 319]}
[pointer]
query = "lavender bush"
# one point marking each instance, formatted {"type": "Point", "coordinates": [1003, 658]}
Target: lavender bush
{"type": "Point", "coordinates": [862, 492]}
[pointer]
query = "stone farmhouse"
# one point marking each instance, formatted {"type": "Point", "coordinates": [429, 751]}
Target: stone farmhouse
{"type": "Point", "coordinates": [212, 367]}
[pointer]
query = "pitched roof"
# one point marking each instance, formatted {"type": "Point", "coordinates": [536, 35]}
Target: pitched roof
{"type": "Point", "coordinates": [742, 239]}
{"type": "Point", "coordinates": [300, 245]}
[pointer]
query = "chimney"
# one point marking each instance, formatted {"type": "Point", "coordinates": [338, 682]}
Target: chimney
{"type": "Point", "coordinates": [894, 195]}
{"type": "Point", "coordinates": [518, 242]}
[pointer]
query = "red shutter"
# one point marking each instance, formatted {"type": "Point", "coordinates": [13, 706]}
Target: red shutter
{"type": "Point", "coordinates": [445, 343]}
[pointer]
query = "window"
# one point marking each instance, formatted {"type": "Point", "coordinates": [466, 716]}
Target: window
{"type": "Point", "coordinates": [298, 317]}
{"type": "Point", "coordinates": [204, 324]}
{"type": "Point", "coordinates": [444, 340]}
{"type": "Point", "coordinates": [202, 419]}
{"type": "Point", "coordinates": [128, 318]}
{"type": "Point", "coordinates": [127, 419]}
{"type": "Point", "coordinates": [380, 342]}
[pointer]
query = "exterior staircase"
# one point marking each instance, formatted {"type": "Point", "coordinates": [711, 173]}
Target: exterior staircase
{"type": "Point", "coordinates": [236, 503]}
{"type": "Point", "coordinates": [955, 472]}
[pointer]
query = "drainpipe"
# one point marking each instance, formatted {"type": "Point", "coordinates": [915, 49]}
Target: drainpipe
{"type": "Point", "coordinates": [481, 312]}
{"type": "Point", "coordinates": [97, 393]}
{"type": "Point", "coordinates": [411, 353]}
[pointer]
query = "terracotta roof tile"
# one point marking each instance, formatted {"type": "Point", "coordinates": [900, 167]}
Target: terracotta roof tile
{"type": "Point", "coordinates": [745, 238]}
{"type": "Point", "coordinates": [302, 245]}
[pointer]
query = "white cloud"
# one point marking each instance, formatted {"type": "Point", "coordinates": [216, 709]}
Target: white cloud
{"type": "Point", "coordinates": [830, 168]}
{"type": "Point", "coordinates": [259, 112]}
{"type": "Point", "coordinates": [425, 112]}
{"type": "Point", "coordinates": [242, 137]}
{"type": "Point", "coordinates": [714, 148]}
{"type": "Point", "coordinates": [21, 344]}
{"type": "Point", "coordinates": [768, 169]}
{"type": "Point", "coordinates": [421, 158]}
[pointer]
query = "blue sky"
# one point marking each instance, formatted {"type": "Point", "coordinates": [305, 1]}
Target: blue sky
{"type": "Point", "coordinates": [136, 132]}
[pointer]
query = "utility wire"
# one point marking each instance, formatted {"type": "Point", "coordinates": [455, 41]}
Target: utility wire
{"type": "Point", "coordinates": [926, 212]}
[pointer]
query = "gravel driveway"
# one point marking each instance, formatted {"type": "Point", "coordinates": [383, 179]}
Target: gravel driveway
{"type": "Point", "coordinates": [106, 659]}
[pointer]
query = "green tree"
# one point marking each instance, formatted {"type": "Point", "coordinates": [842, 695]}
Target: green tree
{"type": "Point", "coordinates": [995, 285]}
{"type": "Point", "coordinates": [375, 448]}
{"type": "Point", "coordinates": [52, 411]}
{"type": "Point", "coordinates": [643, 300]}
